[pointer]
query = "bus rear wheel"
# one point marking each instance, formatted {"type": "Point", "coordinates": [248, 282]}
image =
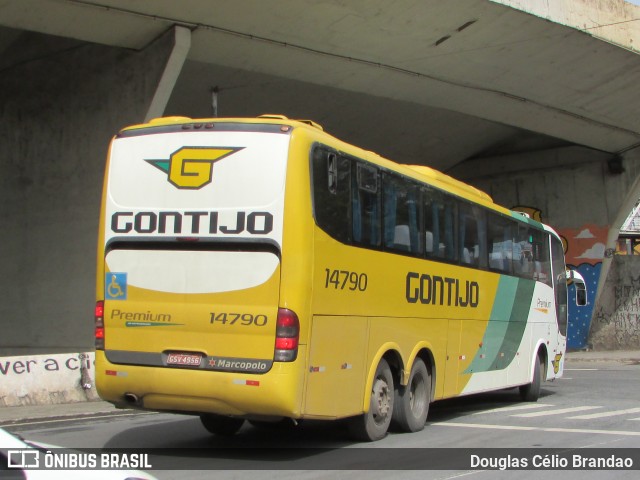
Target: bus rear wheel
{"type": "Point", "coordinates": [411, 405]}
{"type": "Point", "coordinates": [221, 424]}
{"type": "Point", "coordinates": [374, 424]}
{"type": "Point", "coordinates": [531, 391]}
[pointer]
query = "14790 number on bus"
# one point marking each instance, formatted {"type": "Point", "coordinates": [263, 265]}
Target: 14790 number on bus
{"type": "Point", "coordinates": [345, 280]}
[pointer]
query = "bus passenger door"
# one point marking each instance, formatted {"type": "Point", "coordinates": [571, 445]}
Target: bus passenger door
{"type": "Point", "coordinates": [560, 287]}
{"type": "Point", "coordinates": [559, 284]}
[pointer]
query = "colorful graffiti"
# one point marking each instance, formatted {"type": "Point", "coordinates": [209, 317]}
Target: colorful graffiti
{"type": "Point", "coordinates": [584, 252]}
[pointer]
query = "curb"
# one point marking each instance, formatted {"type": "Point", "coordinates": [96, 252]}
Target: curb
{"type": "Point", "coordinates": [20, 416]}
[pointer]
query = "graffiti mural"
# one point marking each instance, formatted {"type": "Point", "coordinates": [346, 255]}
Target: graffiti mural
{"type": "Point", "coordinates": [616, 321]}
{"type": "Point", "coordinates": [584, 252]}
{"type": "Point", "coordinates": [626, 314]}
{"type": "Point", "coordinates": [585, 248]}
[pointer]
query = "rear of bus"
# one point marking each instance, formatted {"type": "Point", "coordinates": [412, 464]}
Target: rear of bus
{"type": "Point", "coordinates": [189, 270]}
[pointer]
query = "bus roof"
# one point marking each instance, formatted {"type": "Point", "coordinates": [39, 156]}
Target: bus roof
{"type": "Point", "coordinates": [419, 172]}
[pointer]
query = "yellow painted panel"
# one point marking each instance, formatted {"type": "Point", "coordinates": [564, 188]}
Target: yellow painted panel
{"type": "Point", "coordinates": [452, 368]}
{"type": "Point", "coordinates": [336, 373]}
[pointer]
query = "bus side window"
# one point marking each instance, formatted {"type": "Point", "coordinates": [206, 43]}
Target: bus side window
{"type": "Point", "coordinates": [400, 213]}
{"type": "Point", "coordinates": [541, 256]}
{"type": "Point", "coordinates": [365, 205]}
{"type": "Point", "coordinates": [472, 233]}
{"type": "Point", "coordinates": [439, 213]}
{"type": "Point", "coordinates": [523, 262]}
{"type": "Point", "coordinates": [501, 249]}
{"type": "Point", "coordinates": [331, 193]}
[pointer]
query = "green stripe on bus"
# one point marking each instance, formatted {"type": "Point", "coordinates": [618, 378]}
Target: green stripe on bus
{"type": "Point", "coordinates": [517, 325]}
{"type": "Point", "coordinates": [527, 219]}
{"type": "Point", "coordinates": [506, 325]}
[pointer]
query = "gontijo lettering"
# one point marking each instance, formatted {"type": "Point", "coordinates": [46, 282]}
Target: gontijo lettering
{"type": "Point", "coordinates": [436, 290]}
{"type": "Point", "coordinates": [254, 223]}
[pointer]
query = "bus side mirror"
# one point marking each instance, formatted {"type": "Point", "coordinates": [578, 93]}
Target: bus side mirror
{"type": "Point", "coordinates": [581, 288]}
{"type": "Point", "coordinates": [581, 295]}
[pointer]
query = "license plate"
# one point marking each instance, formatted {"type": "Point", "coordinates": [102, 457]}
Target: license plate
{"type": "Point", "coordinates": [188, 359]}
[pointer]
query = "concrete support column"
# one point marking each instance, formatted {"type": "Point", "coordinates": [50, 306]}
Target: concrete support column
{"type": "Point", "coordinates": [614, 231]}
{"type": "Point", "coordinates": [616, 321]}
{"type": "Point", "coordinates": [61, 101]}
{"type": "Point", "coordinates": [181, 46]}
{"type": "Point", "coordinates": [629, 161]}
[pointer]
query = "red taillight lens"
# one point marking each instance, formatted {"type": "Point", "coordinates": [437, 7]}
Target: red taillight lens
{"type": "Point", "coordinates": [99, 312]}
{"type": "Point", "coordinates": [286, 343]}
{"type": "Point", "coordinates": [287, 336]}
{"type": "Point", "coordinates": [99, 325]}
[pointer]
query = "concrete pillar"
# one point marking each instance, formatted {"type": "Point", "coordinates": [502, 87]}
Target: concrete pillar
{"type": "Point", "coordinates": [628, 202]}
{"type": "Point", "coordinates": [61, 101]}
{"type": "Point", "coordinates": [175, 62]}
{"type": "Point", "coordinates": [616, 320]}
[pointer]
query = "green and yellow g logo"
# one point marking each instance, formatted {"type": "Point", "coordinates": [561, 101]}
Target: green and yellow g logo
{"type": "Point", "coordinates": [191, 168]}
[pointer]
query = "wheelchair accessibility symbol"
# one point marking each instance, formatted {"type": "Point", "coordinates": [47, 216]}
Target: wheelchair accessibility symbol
{"type": "Point", "coordinates": [116, 286]}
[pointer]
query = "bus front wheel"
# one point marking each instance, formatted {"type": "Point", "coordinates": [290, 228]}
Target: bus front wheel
{"type": "Point", "coordinates": [411, 405]}
{"type": "Point", "coordinates": [531, 391]}
{"type": "Point", "coordinates": [374, 424]}
{"type": "Point", "coordinates": [221, 424]}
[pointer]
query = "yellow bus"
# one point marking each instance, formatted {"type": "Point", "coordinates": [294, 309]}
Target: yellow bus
{"type": "Point", "coordinates": [261, 269]}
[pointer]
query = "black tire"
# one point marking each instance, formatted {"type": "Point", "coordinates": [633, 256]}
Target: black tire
{"type": "Point", "coordinates": [531, 391]}
{"type": "Point", "coordinates": [374, 424]}
{"type": "Point", "coordinates": [221, 424]}
{"type": "Point", "coordinates": [411, 405]}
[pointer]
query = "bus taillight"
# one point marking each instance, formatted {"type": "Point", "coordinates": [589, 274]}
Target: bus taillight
{"type": "Point", "coordinates": [287, 335]}
{"type": "Point", "coordinates": [99, 324]}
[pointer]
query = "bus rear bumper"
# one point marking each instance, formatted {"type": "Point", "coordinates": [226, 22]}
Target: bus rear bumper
{"type": "Point", "coordinates": [276, 393]}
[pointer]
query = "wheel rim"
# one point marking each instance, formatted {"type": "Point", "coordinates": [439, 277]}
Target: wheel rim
{"type": "Point", "coordinates": [381, 401]}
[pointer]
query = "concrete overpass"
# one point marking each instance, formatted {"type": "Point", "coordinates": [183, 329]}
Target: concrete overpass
{"type": "Point", "coordinates": [534, 102]}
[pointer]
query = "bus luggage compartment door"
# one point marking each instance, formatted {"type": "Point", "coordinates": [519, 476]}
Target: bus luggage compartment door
{"type": "Point", "coordinates": [335, 380]}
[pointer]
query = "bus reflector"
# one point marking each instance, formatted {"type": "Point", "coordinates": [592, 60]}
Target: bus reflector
{"type": "Point", "coordinates": [287, 335]}
{"type": "Point", "coordinates": [99, 325]}
{"type": "Point", "coordinates": [250, 383]}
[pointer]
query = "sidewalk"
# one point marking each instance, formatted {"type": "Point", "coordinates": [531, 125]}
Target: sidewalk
{"type": "Point", "coordinates": [609, 356]}
{"type": "Point", "coordinates": [24, 414]}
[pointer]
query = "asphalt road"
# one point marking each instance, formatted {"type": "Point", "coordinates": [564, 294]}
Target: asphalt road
{"type": "Point", "coordinates": [595, 405]}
